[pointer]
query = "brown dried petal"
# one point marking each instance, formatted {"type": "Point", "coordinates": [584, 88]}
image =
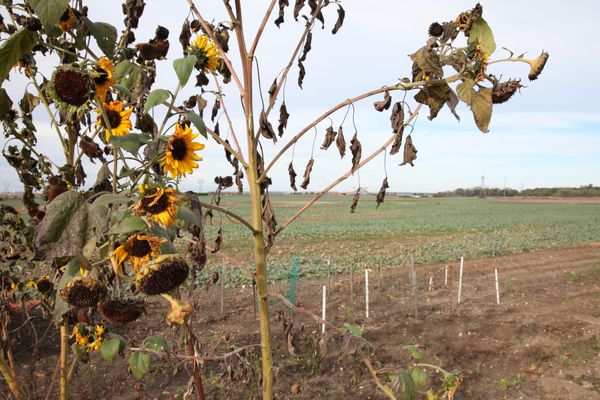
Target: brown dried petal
{"type": "Point", "coordinates": [340, 142]}
{"type": "Point", "coordinates": [293, 175]}
{"type": "Point", "coordinates": [385, 103]}
{"type": "Point", "coordinates": [356, 149]}
{"type": "Point", "coordinates": [410, 152]}
{"type": "Point", "coordinates": [307, 172]}
{"type": "Point", "coordinates": [330, 135]}
{"type": "Point", "coordinates": [381, 195]}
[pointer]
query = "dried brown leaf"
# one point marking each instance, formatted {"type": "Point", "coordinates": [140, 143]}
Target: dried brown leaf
{"type": "Point", "coordinates": [268, 216]}
{"type": "Point", "coordinates": [272, 90]}
{"type": "Point", "coordinates": [356, 149]}
{"type": "Point", "coordinates": [313, 7]}
{"type": "Point", "coordinates": [397, 117]}
{"type": "Point", "coordinates": [185, 35]}
{"type": "Point", "coordinates": [397, 141]}
{"type": "Point", "coordinates": [385, 103]}
{"type": "Point", "coordinates": [293, 175]}
{"type": "Point", "coordinates": [297, 7]}
{"type": "Point", "coordinates": [218, 241]}
{"type": "Point", "coordinates": [265, 128]}
{"type": "Point", "coordinates": [307, 172]}
{"type": "Point", "coordinates": [381, 194]}
{"type": "Point", "coordinates": [283, 119]}
{"type": "Point", "coordinates": [340, 142]}
{"type": "Point", "coordinates": [340, 21]}
{"type": "Point", "coordinates": [410, 152]}
{"type": "Point", "coordinates": [281, 18]}
{"type": "Point", "coordinates": [329, 138]}
{"type": "Point", "coordinates": [355, 199]}
{"type": "Point", "coordinates": [215, 110]}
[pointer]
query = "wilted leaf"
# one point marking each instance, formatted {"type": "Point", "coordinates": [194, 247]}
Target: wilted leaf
{"type": "Point", "coordinates": [281, 18]}
{"type": "Point", "coordinates": [435, 97]}
{"type": "Point", "coordinates": [355, 199]}
{"type": "Point", "coordinates": [340, 142]}
{"type": "Point", "coordinates": [313, 8]}
{"type": "Point", "coordinates": [265, 128]}
{"type": "Point", "coordinates": [356, 149]}
{"type": "Point", "coordinates": [139, 363]}
{"type": "Point", "coordinates": [410, 152]}
{"type": "Point", "coordinates": [13, 49]}
{"type": "Point", "coordinates": [340, 20]}
{"type": "Point", "coordinates": [427, 60]}
{"type": "Point", "coordinates": [187, 215]}
{"type": "Point", "coordinates": [381, 194]}
{"type": "Point", "coordinates": [218, 241]}
{"type": "Point", "coordinates": [457, 59]}
{"type": "Point", "coordinates": [272, 90]}
{"type": "Point", "coordinates": [465, 90]}
{"type": "Point", "coordinates": [268, 216]}
{"type": "Point", "coordinates": [385, 103]}
{"type": "Point", "coordinates": [329, 138]}
{"type": "Point", "coordinates": [293, 175]}
{"type": "Point", "coordinates": [305, 49]}
{"type": "Point", "coordinates": [5, 104]}
{"type": "Point", "coordinates": [481, 33]}
{"type": "Point", "coordinates": [185, 35]}
{"type": "Point", "coordinates": [452, 102]}
{"type": "Point", "coordinates": [297, 7]}
{"type": "Point", "coordinates": [307, 172]}
{"type": "Point", "coordinates": [215, 109]}
{"type": "Point", "coordinates": [301, 73]}
{"type": "Point", "coordinates": [481, 105]}
{"type": "Point", "coordinates": [397, 117]}
{"type": "Point", "coordinates": [397, 141]}
{"type": "Point", "coordinates": [283, 119]}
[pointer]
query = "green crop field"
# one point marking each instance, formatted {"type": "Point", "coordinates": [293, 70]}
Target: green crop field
{"type": "Point", "coordinates": [431, 230]}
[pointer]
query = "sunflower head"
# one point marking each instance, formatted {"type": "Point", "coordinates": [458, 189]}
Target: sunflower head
{"type": "Point", "coordinates": [180, 157]}
{"type": "Point", "coordinates": [44, 285]}
{"type": "Point", "coordinates": [83, 292]}
{"type": "Point", "coordinates": [537, 66]}
{"type": "Point", "coordinates": [118, 117]}
{"type": "Point", "coordinates": [206, 52]}
{"type": "Point", "coordinates": [138, 248]}
{"type": "Point", "coordinates": [159, 205]}
{"type": "Point", "coordinates": [102, 75]}
{"type": "Point", "coordinates": [70, 87]}
{"type": "Point", "coordinates": [162, 275]}
{"type": "Point", "coordinates": [121, 312]}
{"type": "Point", "coordinates": [67, 20]}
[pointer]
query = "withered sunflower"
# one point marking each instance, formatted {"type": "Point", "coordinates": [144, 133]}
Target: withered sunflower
{"type": "Point", "coordinates": [102, 75]}
{"type": "Point", "coordinates": [162, 274]}
{"type": "Point", "coordinates": [138, 248]}
{"type": "Point", "coordinates": [70, 87]}
{"type": "Point", "coordinates": [83, 292]}
{"type": "Point", "coordinates": [159, 204]}
{"type": "Point", "coordinates": [180, 310]}
{"type": "Point", "coordinates": [118, 118]}
{"type": "Point", "coordinates": [180, 157]}
{"type": "Point", "coordinates": [123, 311]}
{"type": "Point", "coordinates": [67, 20]}
{"type": "Point", "coordinates": [206, 52]}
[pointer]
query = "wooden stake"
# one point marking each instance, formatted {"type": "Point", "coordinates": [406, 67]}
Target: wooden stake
{"type": "Point", "coordinates": [367, 292]}
{"type": "Point", "coordinates": [222, 305]}
{"type": "Point", "coordinates": [430, 282]}
{"type": "Point", "coordinates": [413, 282]}
{"type": "Point", "coordinates": [460, 276]}
{"type": "Point", "coordinates": [497, 287]}
{"type": "Point", "coordinates": [324, 307]}
{"type": "Point", "coordinates": [445, 275]}
{"type": "Point", "coordinates": [329, 287]}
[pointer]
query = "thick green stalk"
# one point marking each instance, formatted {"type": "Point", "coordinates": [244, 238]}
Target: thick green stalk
{"type": "Point", "coordinates": [64, 355]}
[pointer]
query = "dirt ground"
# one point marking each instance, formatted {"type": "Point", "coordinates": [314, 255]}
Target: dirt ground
{"type": "Point", "coordinates": [541, 342]}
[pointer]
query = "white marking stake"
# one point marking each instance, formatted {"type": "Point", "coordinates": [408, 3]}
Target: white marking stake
{"type": "Point", "coordinates": [367, 293]}
{"type": "Point", "coordinates": [460, 279]}
{"type": "Point", "coordinates": [446, 275]}
{"type": "Point", "coordinates": [323, 314]}
{"type": "Point", "coordinates": [430, 283]}
{"type": "Point", "coordinates": [497, 288]}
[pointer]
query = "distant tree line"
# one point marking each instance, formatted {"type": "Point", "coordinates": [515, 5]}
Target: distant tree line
{"type": "Point", "coordinates": [582, 191]}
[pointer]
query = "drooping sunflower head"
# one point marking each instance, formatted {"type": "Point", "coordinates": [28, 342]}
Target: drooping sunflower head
{"type": "Point", "coordinates": [44, 285]}
{"type": "Point", "coordinates": [159, 204]}
{"type": "Point", "coordinates": [118, 118]}
{"type": "Point", "coordinates": [162, 274]}
{"type": "Point", "coordinates": [180, 310]}
{"type": "Point", "coordinates": [537, 66]}
{"type": "Point", "coordinates": [138, 248]}
{"type": "Point", "coordinates": [180, 156]}
{"type": "Point", "coordinates": [70, 87]}
{"type": "Point", "coordinates": [83, 292]}
{"type": "Point", "coordinates": [123, 311]}
{"type": "Point", "coordinates": [206, 52]}
{"type": "Point", "coordinates": [102, 74]}
{"type": "Point", "coordinates": [67, 20]}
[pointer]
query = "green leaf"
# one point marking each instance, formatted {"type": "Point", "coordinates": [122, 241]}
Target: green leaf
{"type": "Point", "coordinates": [139, 363]}
{"type": "Point", "coordinates": [414, 351]}
{"type": "Point", "coordinates": [13, 49]}
{"type": "Point", "coordinates": [49, 11]}
{"type": "Point", "coordinates": [110, 349]}
{"type": "Point", "coordinates": [419, 377]}
{"type": "Point", "coordinates": [130, 224]}
{"type": "Point", "coordinates": [127, 74]}
{"type": "Point", "coordinates": [156, 97]}
{"type": "Point", "coordinates": [187, 215]}
{"type": "Point", "coordinates": [409, 391]}
{"type": "Point", "coordinates": [110, 198]}
{"type": "Point", "coordinates": [184, 67]}
{"type": "Point", "coordinates": [482, 108]}
{"type": "Point", "coordinates": [64, 229]}
{"type": "Point", "coordinates": [465, 90]}
{"type": "Point", "coordinates": [105, 35]}
{"type": "Point", "coordinates": [197, 121]}
{"type": "Point", "coordinates": [482, 33]}
{"type": "Point", "coordinates": [130, 142]}
{"type": "Point", "coordinates": [353, 329]}
{"type": "Point", "coordinates": [157, 343]}
{"type": "Point", "coordinates": [123, 89]}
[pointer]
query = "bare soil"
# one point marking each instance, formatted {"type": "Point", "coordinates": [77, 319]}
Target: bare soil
{"type": "Point", "coordinates": [541, 342]}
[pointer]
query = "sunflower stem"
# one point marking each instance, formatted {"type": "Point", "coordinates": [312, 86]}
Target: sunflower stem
{"type": "Point", "coordinates": [53, 122]}
{"type": "Point", "coordinates": [169, 110]}
{"type": "Point", "coordinates": [64, 356]}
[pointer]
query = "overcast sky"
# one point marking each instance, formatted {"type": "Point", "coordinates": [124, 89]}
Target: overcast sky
{"type": "Point", "coordinates": [549, 135]}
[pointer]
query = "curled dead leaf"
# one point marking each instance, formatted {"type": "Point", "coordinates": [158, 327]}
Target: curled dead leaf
{"type": "Point", "coordinates": [329, 138]}
{"type": "Point", "coordinates": [307, 172]}
{"type": "Point", "coordinates": [356, 149]}
{"type": "Point", "coordinates": [385, 103]}
{"type": "Point", "coordinates": [381, 194]}
{"type": "Point", "coordinates": [293, 175]}
{"type": "Point", "coordinates": [340, 142]}
{"type": "Point", "coordinates": [410, 152]}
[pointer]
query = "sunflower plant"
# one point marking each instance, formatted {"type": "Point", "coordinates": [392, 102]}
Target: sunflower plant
{"type": "Point", "coordinates": [115, 242]}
